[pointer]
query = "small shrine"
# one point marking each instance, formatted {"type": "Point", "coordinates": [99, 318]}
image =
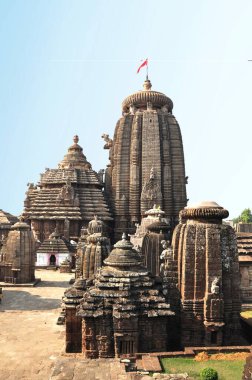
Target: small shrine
{"type": "Point", "coordinates": [125, 311]}
{"type": "Point", "coordinates": [17, 255]}
{"type": "Point", "coordinates": [53, 252]}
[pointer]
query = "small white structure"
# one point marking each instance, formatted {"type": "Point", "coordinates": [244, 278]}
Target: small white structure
{"type": "Point", "coordinates": [52, 252]}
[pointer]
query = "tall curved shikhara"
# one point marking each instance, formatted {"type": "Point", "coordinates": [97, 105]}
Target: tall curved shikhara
{"type": "Point", "coordinates": [146, 161]}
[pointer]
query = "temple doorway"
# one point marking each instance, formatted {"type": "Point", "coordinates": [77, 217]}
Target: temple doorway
{"type": "Point", "coordinates": [126, 347]}
{"type": "Point", "coordinates": [52, 260]}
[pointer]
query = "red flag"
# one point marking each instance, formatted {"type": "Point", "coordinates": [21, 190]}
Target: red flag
{"type": "Point", "coordinates": [145, 63]}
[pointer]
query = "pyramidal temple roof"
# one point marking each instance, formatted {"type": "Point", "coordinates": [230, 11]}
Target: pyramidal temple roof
{"type": "Point", "coordinates": [53, 245]}
{"type": "Point", "coordinates": [124, 288]}
{"type": "Point", "coordinates": [75, 159]}
{"type": "Point", "coordinates": [7, 218]}
{"type": "Point", "coordinates": [72, 191]}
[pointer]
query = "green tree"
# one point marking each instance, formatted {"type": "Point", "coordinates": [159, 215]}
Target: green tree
{"type": "Point", "coordinates": [245, 217]}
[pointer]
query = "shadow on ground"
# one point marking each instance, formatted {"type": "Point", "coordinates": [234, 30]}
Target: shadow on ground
{"type": "Point", "coordinates": [52, 284]}
{"type": "Point", "coordinates": [23, 300]}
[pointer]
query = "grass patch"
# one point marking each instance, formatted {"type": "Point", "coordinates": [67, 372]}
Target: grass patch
{"type": "Point", "coordinates": [226, 369]}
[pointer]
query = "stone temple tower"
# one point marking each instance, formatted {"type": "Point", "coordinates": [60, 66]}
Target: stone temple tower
{"type": "Point", "coordinates": [146, 161]}
{"type": "Point", "coordinates": [17, 255]}
{"type": "Point", "coordinates": [208, 277]}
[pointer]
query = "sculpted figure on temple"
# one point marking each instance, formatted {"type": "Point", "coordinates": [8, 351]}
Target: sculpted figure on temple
{"type": "Point", "coordinates": [215, 287]}
{"type": "Point", "coordinates": [66, 193]}
{"type": "Point", "coordinates": [164, 109]}
{"type": "Point", "coordinates": [30, 185]}
{"type": "Point", "coordinates": [166, 256]}
{"type": "Point", "coordinates": [151, 192]}
{"type": "Point", "coordinates": [132, 110]}
{"type": "Point", "coordinates": [108, 141]}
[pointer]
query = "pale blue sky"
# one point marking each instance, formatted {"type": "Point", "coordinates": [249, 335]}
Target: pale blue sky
{"type": "Point", "coordinates": [66, 67]}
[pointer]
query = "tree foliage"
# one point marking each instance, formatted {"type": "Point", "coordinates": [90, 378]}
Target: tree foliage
{"type": "Point", "coordinates": [244, 217]}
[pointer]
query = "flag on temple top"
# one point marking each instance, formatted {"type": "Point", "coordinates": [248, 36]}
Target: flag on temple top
{"type": "Point", "coordinates": [145, 63]}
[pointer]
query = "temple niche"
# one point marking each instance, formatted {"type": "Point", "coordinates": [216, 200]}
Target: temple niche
{"type": "Point", "coordinates": [205, 251]}
{"type": "Point", "coordinates": [17, 255]}
{"type": "Point", "coordinates": [66, 198]}
{"type": "Point", "coordinates": [146, 161]}
{"type": "Point", "coordinates": [244, 244]}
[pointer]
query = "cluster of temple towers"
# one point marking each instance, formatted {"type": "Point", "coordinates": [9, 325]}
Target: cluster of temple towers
{"type": "Point", "coordinates": [151, 274]}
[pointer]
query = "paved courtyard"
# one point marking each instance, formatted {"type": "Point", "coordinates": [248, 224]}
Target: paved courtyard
{"type": "Point", "coordinates": [32, 344]}
{"type": "Point", "coordinates": [30, 339]}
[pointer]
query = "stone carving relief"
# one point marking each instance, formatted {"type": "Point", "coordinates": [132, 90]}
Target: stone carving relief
{"type": "Point", "coordinates": [164, 109]}
{"type": "Point", "coordinates": [108, 141]}
{"type": "Point", "coordinates": [166, 257]}
{"type": "Point", "coordinates": [151, 192]}
{"type": "Point", "coordinates": [132, 109]}
{"type": "Point", "coordinates": [66, 193]}
{"type": "Point", "coordinates": [215, 287]}
{"type": "Point", "coordinates": [31, 186]}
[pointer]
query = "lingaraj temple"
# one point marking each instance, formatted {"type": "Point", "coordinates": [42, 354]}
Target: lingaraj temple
{"type": "Point", "coordinates": [151, 274]}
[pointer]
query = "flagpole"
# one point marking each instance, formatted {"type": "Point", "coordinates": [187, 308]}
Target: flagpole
{"type": "Point", "coordinates": [147, 70]}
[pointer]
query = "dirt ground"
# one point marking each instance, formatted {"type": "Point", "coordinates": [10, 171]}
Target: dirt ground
{"type": "Point", "coordinates": [30, 339]}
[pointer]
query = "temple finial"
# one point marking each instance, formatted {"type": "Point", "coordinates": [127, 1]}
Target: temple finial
{"type": "Point", "coordinates": [76, 139]}
{"type": "Point", "coordinates": [147, 84]}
